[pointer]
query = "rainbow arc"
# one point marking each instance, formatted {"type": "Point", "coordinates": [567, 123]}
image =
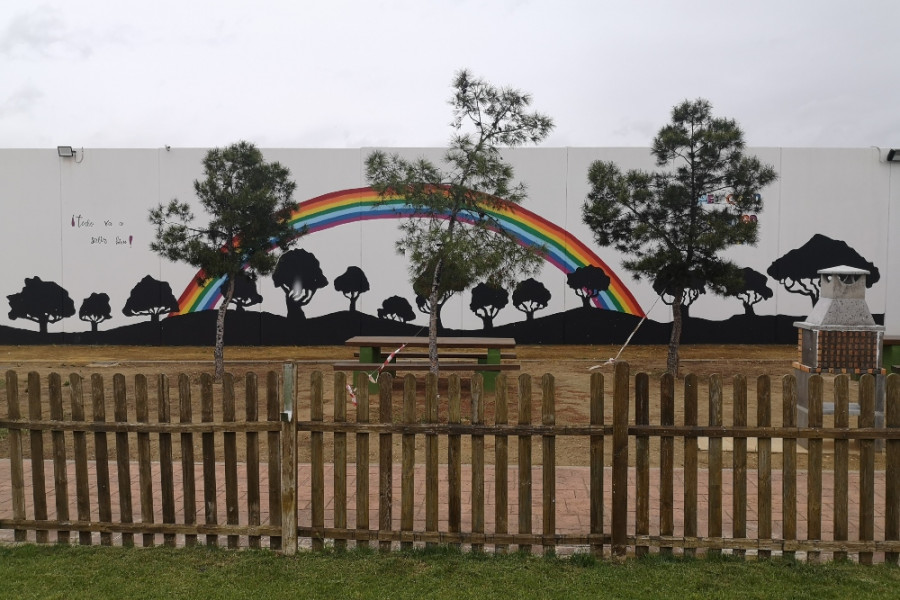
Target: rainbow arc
{"type": "Point", "coordinates": [560, 248]}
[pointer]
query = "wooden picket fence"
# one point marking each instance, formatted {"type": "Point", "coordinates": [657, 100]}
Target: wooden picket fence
{"type": "Point", "coordinates": [257, 460]}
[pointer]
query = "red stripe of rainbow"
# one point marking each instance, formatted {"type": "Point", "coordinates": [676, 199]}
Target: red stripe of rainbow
{"type": "Point", "coordinates": [561, 249]}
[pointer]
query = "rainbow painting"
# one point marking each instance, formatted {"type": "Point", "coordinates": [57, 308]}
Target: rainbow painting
{"type": "Point", "coordinates": [560, 248]}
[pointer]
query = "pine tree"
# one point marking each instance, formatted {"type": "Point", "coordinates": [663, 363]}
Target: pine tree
{"type": "Point", "coordinates": [664, 220]}
{"type": "Point", "coordinates": [249, 201]}
{"type": "Point", "coordinates": [452, 231]}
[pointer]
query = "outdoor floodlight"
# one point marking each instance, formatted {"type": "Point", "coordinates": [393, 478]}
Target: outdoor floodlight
{"type": "Point", "coordinates": [69, 152]}
{"type": "Point", "coordinates": [893, 155]}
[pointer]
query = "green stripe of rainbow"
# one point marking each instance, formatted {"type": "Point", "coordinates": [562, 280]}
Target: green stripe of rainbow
{"type": "Point", "coordinates": [561, 249]}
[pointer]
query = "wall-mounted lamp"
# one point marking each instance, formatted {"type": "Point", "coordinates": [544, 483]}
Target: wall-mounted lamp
{"type": "Point", "coordinates": [65, 151]}
{"type": "Point", "coordinates": [893, 155]}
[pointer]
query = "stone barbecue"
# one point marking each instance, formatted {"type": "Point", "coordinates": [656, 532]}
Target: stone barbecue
{"type": "Point", "coordinates": [839, 336]}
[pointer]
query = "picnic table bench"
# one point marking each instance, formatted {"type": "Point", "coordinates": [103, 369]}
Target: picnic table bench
{"type": "Point", "coordinates": [478, 354]}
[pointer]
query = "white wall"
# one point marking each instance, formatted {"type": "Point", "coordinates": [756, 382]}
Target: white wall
{"type": "Point", "coordinates": [848, 194]}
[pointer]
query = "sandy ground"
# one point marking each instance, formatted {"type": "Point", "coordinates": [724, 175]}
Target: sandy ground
{"type": "Point", "coordinates": [568, 364]}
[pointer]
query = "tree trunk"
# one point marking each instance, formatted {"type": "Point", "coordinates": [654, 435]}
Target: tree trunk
{"type": "Point", "coordinates": [748, 310]}
{"type": "Point", "coordinates": [487, 323]}
{"type": "Point", "coordinates": [219, 351]}
{"type": "Point", "coordinates": [433, 318]}
{"type": "Point", "coordinates": [93, 326]}
{"type": "Point", "coordinates": [353, 303]}
{"type": "Point", "coordinates": [675, 338]}
{"type": "Point", "coordinates": [530, 317]}
{"type": "Point", "coordinates": [43, 324]}
{"type": "Point", "coordinates": [585, 301]}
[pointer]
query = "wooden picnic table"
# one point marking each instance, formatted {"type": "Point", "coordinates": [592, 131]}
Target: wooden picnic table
{"type": "Point", "coordinates": [484, 353]}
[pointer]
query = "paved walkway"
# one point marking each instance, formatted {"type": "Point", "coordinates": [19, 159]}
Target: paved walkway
{"type": "Point", "coordinates": [572, 499]}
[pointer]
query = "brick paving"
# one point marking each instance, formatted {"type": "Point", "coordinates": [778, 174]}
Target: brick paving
{"type": "Point", "coordinates": [572, 499]}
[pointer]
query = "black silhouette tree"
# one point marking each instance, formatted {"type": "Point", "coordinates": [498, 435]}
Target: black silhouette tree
{"type": "Point", "coordinates": [150, 297]}
{"type": "Point", "coordinates": [351, 284]}
{"type": "Point", "coordinates": [798, 270]}
{"type": "Point", "coordinates": [245, 292]}
{"type": "Point", "coordinates": [668, 287]}
{"type": "Point", "coordinates": [299, 276]}
{"type": "Point", "coordinates": [40, 301]}
{"type": "Point", "coordinates": [530, 296]}
{"type": "Point", "coordinates": [487, 301]}
{"type": "Point", "coordinates": [656, 219]}
{"type": "Point", "coordinates": [753, 291]}
{"type": "Point", "coordinates": [249, 202]}
{"type": "Point", "coordinates": [95, 309]}
{"type": "Point", "coordinates": [448, 199]}
{"type": "Point", "coordinates": [588, 282]}
{"type": "Point", "coordinates": [397, 308]}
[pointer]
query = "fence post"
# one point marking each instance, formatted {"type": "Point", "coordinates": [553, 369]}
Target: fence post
{"type": "Point", "coordinates": [620, 460]}
{"type": "Point", "coordinates": [289, 462]}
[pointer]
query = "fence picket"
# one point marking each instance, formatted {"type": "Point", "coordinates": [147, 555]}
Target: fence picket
{"type": "Point", "coordinates": [714, 517]}
{"type": "Point", "coordinates": [454, 458]}
{"type": "Point", "coordinates": [101, 457]}
{"type": "Point", "coordinates": [524, 449]}
{"type": "Point", "coordinates": [166, 470]}
{"type": "Point", "coordinates": [229, 415]}
{"type": "Point", "coordinates": [362, 458]}
{"type": "Point", "coordinates": [39, 493]}
{"type": "Point", "coordinates": [385, 459]}
{"type": "Point", "coordinates": [764, 458]}
{"type": "Point", "coordinates": [251, 415]}
{"type": "Point", "coordinates": [841, 462]}
{"type": "Point", "coordinates": [739, 462]}
{"type": "Point", "coordinates": [79, 449]}
{"type": "Point", "coordinates": [144, 464]}
{"type": "Point", "coordinates": [597, 462]}
{"type": "Point", "coordinates": [60, 477]}
{"type": "Point", "coordinates": [477, 461]}
{"type": "Point", "coordinates": [340, 457]}
{"type": "Point", "coordinates": [431, 456]}
{"type": "Point", "coordinates": [789, 456]}
{"type": "Point", "coordinates": [208, 442]}
{"type": "Point", "coordinates": [16, 454]}
{"type": "Point", "coordinates": [408, 460]}
{"type": "Point", "coordinates": [189, 487]}
{"type": "Point", "coordinates": [273, 444]}
{"type": "Point", "coordinates": [642, 460]}
{"type": "Point", "coordinates": [892, 466]}
{"type": "Point", "coordinates": [123, 456]}
{"type": "Point", "coordinates": [866, 466]}
{"type": "Point", "coordinates": [814, 469]}
{"type": "Point", "coordinates": [620, 460]}
{"type": "Point", "coordinates": [317, 461]}
{"type": "Point", "coordinates": [667, 460]}
{"type": "Point", "coordinates": [501, 464]}
{"type": "Point", "coordinates": [548, 444]}
{"type": "Point", "coordinates": [691, 419]}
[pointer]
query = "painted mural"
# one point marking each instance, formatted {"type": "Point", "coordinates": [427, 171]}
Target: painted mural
{"type": "Point", "coordinates": [80, 270]}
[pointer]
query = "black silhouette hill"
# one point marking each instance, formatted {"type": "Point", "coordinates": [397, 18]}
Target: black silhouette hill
{"type": "Point", "coordinates": [577, 326]}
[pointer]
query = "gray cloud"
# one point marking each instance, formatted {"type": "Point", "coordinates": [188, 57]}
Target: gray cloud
{"type": "Point", "coordinates": [39, 33]}
{"type": "Point", "coordinates": [21, 101]}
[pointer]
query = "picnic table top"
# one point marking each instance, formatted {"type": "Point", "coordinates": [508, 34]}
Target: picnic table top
{"type": "Point", "coordinates": [396, 341]}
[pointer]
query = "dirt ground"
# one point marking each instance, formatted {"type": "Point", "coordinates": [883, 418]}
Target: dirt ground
{"type": "Point", "coordinates": [568, 364]}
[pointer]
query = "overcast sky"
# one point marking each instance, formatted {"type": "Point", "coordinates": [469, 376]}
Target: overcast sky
{"type": "Point", "coordinates": [344, 73]}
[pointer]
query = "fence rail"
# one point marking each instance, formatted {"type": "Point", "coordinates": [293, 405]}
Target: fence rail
{"type": "Point", "coordinates": [405, 473]}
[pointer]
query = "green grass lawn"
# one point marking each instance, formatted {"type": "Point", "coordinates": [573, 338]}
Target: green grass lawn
{"type": "Point", "coordinates": [90, 572]}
